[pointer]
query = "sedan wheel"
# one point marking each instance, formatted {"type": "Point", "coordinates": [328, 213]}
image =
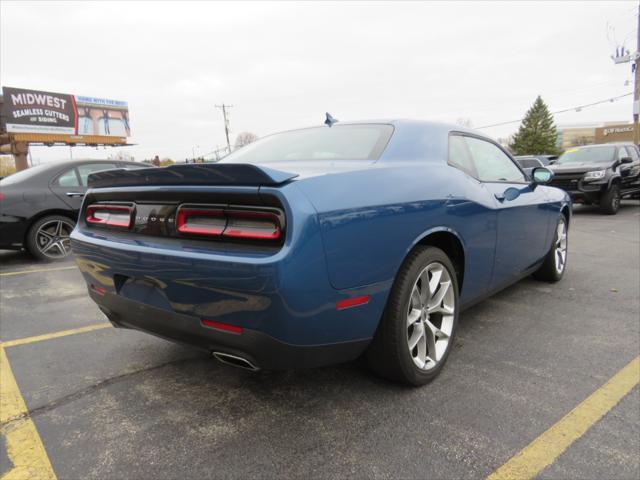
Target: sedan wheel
{"type": "Point", "coordinates": [49, 239]}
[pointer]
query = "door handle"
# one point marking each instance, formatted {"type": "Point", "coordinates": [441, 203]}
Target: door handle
{"type": "Point", "coordinates": [75, 194]}
{"type": "Point", "coordinates": [499, 196]}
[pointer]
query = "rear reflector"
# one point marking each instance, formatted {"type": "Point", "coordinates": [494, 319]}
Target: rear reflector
{"type": "Point", "coordinates": [237, 223]}
{"type": "Point", "coordinates": [352, 302]}
{"type": "Point", "coordinates": [222, 326]}
{"type": "Point", "coordinates": [109, 215]}
{"type": "Point", "coordinates": [98, 290]}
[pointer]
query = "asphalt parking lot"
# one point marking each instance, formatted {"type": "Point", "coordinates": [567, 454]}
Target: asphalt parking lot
{"type": "Point", "coordinates": [110, 403]}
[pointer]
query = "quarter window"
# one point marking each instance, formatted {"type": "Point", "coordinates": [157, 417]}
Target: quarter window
{"type": "Point", "coordinates": [68, 179]}
{"type": "Point", "coordinates": [459, 155]}
{"type": "Point", "coordinates": [492, 164]}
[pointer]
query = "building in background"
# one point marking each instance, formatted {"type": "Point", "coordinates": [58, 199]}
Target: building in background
{"type": "Point", "coordinates": [589, 134]}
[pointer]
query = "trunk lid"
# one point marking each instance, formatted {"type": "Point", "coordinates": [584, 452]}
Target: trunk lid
{"type": "Point", "coordinates": [231, 174]}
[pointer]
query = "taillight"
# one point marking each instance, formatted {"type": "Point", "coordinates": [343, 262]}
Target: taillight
{"type": "Point", "coordinates": [109, 215]}
{"type": "Point", "coordinates": [250, 224]}
{"type": "Point", "coordinates": [200, 221]}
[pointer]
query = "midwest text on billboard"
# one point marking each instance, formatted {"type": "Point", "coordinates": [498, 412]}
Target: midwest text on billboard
{"type": "Point", "coordinates": [33, 111]}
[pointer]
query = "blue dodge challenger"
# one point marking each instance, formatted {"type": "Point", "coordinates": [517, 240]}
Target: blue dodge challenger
{"type": "Point", "coordinates": [318, 245]}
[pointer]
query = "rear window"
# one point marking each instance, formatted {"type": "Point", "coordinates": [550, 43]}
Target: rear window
{"type": "Point", "coordinates": [529, 162]}
{"type": "Point", "coordinates": [340, 142]}
{"type": "Point", "coordinates": [24, 174]}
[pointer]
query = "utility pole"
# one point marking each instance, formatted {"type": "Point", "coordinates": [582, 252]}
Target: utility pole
{"type": "Point", "coordinates": [624, 56]}
{"type": "Point", "coordinates": [224, 108]}
{"type": "Point", "coordinates": [636, 88]}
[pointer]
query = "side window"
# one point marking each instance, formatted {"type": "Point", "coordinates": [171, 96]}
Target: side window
{"type": "Point", "coordinates": [459, 155]}
{"type": "Point", "coordinates": [492, 164]}
{"type": "Point", "coordinates": [633, 153]}
{"type": "Point", "coordinates": [86, 169]}
{"type": "Point", "coordinates": [68, 179]}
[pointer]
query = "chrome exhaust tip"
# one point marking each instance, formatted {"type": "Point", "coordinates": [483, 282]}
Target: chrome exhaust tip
{"type": "Point", "coordinates": [235, 361]}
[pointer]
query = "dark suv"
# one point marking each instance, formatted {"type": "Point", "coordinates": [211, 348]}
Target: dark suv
{"type": "Point", "coordinates": [599, 174]}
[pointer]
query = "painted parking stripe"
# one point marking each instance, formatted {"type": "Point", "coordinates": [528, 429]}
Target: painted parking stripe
{"type": "Point", "coordinates": [23, 443]}
{"type": "Point", "coordinates": [545, 449]}
{"type": "Point", "coordinates": [49, 336]}
{"type": "Point", "coordinates": [38, 270]}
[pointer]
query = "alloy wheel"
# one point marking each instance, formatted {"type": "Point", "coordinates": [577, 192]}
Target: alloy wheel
{"type": "Point", "coordinates": [561, 246]}
{"type": "Point", "coordinates": [52, 238]}
{"type": "Point", "coordinates": [430, 316]}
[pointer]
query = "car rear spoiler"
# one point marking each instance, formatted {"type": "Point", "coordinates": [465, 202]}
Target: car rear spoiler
{"type": "Point", "coordinates": [191, 174]}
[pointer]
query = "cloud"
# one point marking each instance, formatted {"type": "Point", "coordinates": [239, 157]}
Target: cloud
{"type": "Point", "coordinates": [282, 65]}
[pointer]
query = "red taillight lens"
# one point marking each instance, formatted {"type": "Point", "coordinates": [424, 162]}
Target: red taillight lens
{"type": "Point", "coordinates": [199, 221]}
{"type": "Point", "coordinates": [109, 215]}
{"type": "Point", "coordinates": [249, 224]}
{"type": "Point", "coordinates": [1, 196]}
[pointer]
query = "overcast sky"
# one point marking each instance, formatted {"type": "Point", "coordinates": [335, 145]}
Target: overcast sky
{"type": "Point", "coordinates": [282, 65]}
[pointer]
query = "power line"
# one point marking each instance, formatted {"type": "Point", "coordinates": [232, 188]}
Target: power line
{"type": "Point", "coordinates": [577, 108]}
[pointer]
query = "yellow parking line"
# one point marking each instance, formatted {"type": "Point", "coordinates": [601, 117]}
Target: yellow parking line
{"type": "Point", "coordinates": [49, 336]}
{"type": "Point", "coordinates": [38, 270]}
{"type": "Point", "coordinates": [545, 449]}
{"type": "Point", "coordinates": [24, 446]}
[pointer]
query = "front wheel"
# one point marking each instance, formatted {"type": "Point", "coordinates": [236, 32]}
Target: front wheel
{"type": "Point", "coordinates": [555, 263]}
{"type": "Point", "coordinates": [416, 332]}
{"type": "Point", "coordinates": [610, 200]}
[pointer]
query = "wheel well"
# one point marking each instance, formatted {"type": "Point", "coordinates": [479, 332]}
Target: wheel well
{"type": "Point", "coordinates": [46, 213]}
{"type": "Point", "coordinates": [565, 212]}
{"type": "Point", "coordinates": [451, 245]}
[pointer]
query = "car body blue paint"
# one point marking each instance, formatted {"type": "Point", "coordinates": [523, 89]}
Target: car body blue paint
{"type": "Point", "coordinates": [350, 225]}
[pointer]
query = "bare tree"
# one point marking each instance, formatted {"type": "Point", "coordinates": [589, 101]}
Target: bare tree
{"type": "Point", "coordinates": [245, 138]}
{"type": "Point", "coordinates": [121, 155]}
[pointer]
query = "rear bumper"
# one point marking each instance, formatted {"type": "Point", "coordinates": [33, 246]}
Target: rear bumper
{"type": "Point", "coordinates": [282, 300]}
{"type": "Point", "coordinates": [12, 231]}
{"type": "Point", "coordinates": [260, 349]}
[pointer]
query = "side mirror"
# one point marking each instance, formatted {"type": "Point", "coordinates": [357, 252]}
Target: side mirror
{"type": "Point", "coordinates": [541, 175]}
{"type": "Point", "coordinates": [624, 160]}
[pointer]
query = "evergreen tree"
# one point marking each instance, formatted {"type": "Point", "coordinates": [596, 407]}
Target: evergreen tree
{"type": "Point", "coordinates": [537, 133]}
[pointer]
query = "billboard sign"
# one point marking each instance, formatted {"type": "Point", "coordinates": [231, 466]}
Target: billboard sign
{"type": "Point", "coordinates": [34, 111]}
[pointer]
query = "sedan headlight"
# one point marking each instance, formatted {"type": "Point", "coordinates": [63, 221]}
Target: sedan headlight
{"type": "Point", "coordinates": [595, 175]}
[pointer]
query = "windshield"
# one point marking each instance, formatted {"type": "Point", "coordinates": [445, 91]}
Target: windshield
{"type": "Point", "coordinates": [340, 142]}
{"type": "Point", "coordinates": [588, 155]}
{"type": "Point", "coordinates": [23, 174]}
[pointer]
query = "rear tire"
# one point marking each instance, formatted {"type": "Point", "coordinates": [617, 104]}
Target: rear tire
{"type": "Point", "coordinates": [48, 238]}
{"type": "Point", "coordinates": [416, 333]}
{"type": "Point", "coordinates": [555, 263]}
{"type": "Point", "coordinates": [610, 200]}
